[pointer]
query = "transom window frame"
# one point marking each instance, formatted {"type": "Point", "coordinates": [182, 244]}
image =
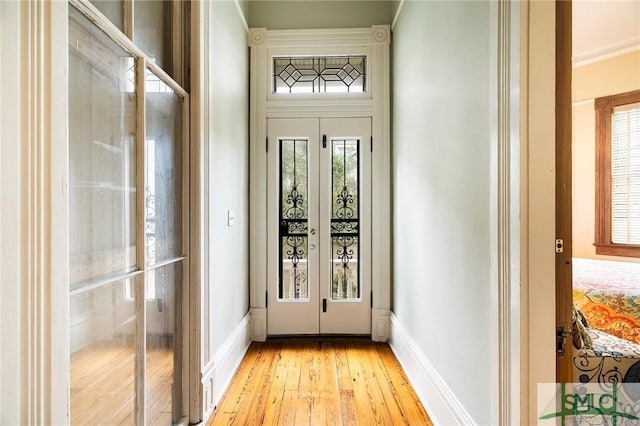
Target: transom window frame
{"type": "Point", "coordinates": [320, 76]}
{"type": "Point", "coordinates": [604, 109]}
{"type": "Point", "coordinates": [319, 51]}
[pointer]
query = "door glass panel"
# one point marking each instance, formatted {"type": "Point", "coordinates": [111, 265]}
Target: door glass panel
{"type": "Point", "coordinates": [151, 29]}
{"type": "Point", "coordinates": [293, 220]}
{"type": "Point", "coordinates": [163, 189]}
{"type": "Point", "coordinates": [102, 207]}
{"type": "Point", "coordinates": [162, 330]}
{"type": "Point", "coordinates": [113, 10]}
{"type": "Point", "coordinates": [102, 334]}
{"type": "Point", "coordinates": [345, 221]}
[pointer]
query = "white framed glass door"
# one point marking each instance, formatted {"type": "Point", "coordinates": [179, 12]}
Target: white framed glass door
{"type": "Point", "coordinates": [319, 206]}
{"type": "Point", "coordinates": [128, 187]}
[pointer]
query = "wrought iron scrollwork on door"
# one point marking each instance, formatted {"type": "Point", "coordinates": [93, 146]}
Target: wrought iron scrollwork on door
{"type": "Point", "coordinates": [345, 230]}
{"type": "Point", "coordinates": [293, 219]}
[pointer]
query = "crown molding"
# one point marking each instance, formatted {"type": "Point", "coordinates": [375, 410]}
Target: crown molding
{"type": "Point", "coordinates": [242, 17]}
{"type": "Point", "coordinates": [396, 17]}
{"type": "Point", "coordinates": [607, 52]}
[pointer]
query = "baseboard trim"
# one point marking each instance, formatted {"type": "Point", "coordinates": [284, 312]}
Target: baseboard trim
{"type": "Point", "coordinates": [217, 376]}
{"type": "Point", "coordinates": [380, 325]}
{"type": "Point", "coordinates": [228, 358]}
{"type": "Point", "coordinates": [258, 324]}
{"type": "Point", "coordinates": [437, 398]}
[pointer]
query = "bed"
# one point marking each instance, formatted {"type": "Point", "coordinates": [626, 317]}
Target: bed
{"type": "Point", "coordinates": [608, 293]}
{"type": "Point", "coordinates": [611, 359]}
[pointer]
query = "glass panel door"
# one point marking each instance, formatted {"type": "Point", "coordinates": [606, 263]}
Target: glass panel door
{"type": "Point", "coordinates": [319, 276]}
{"type": "Point", "coordinates": [101, 157]}
{"type": "Point", "coordinates": [102, 231]}
{"type": "Point", "coordinates": [127, 233]}
{"type": "Point", "coordinates": [345, 223]}
{"type": "Point", "coordinates": [294, 220]}
{"type": "Point", "coordinates": [163, 249]}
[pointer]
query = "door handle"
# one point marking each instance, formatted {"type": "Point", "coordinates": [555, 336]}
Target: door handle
{"type": "Point", "coordinates": [313, 231]}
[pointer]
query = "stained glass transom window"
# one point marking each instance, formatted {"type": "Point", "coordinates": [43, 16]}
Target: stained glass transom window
{"type": "Point", "coordinates": [320, 74]}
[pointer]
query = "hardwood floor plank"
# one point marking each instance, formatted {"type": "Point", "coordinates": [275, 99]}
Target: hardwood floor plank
{"type": "Point", "coordinates": [251, 395]}
{"type": "Point", "coordinates": [410, 405]}
{"type": "Point", "coordinates": [386, 388]}
{"type": "Point", "coordinates": [342, 366]}
{"type": "Point", "coordinates": [276, 392]}
{"type": "Point", "coordinates": [288, 410]}
{"type": "Point", "coordinates": [364, 413]}
{"type": "Point", "coordinates": [377, 403]}
{"type": "Point", "coordinates": [347, 402]}
{"type": "Point", "coordinates": [294, 369]}
{"type": "Point", "coordinates": [263, 373]}
{"type": "Point", "coordinates": [326, 363]}
{"type": "Point", "coordinates": [320, 381]}
{"type": "Point", "coordinates": [226, 413]}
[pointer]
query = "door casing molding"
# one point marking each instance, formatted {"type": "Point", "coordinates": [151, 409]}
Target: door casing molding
{"type": "Point", "coordinates": [34, 372]}
{"type": "Point", "coordinates": [373, 42]}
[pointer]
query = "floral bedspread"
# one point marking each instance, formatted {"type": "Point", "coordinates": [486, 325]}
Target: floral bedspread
{"type": "Point", "coordinates": [608, 293]}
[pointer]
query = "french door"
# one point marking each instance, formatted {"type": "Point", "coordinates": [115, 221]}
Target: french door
{"type": "Point", "coordinates": [319, 226]}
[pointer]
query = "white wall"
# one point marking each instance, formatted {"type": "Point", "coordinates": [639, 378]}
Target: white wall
{"type": "Point", "coordinates": [441, 174]}
{"type": "Point", "coordinates": [229, 171]}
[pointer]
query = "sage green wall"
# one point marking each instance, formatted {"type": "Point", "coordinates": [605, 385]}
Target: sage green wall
{"type": "Point", "coordinates": [307, 14]}
{"type": "Point", "coordinates": [244, 6]}
{"type": "Point", "coordinates": [229, 171]}
{"type": "Point", "coordinates": [441, 176]}
{"type": "Point", "coordinates": [395, 4]}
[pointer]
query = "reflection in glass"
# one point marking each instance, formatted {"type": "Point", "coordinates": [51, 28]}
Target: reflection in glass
{"type": "Point", "coordinates": [163, 172]}
{"type": "Point", "coordinates": [162, 329]}
{"type": "Point", "coordinates": [152, 30]}
{"type": "Point", "coordinates": [345, 223]}
{"type": "Point", "coordinates": [293, 220]}
{"type": "Point", "coordinates": [113, 10]}
{"type": "Point", "coordinates": [102, 119]}
{"type": "Point", "coordinates": [102, 334]}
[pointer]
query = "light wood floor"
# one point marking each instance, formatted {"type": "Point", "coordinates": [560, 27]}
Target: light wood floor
{"type": "Point", "coordinates": [333, 381]}
{"type": "Point", "coordinates": [102, 385]}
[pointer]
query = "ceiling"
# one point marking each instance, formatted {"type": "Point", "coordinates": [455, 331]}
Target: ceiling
{"type": "Point", "coordinates": [601, 27]}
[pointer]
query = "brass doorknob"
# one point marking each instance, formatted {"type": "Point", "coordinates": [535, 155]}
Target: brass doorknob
{"type": "Point", "coordinates": [312, 231]}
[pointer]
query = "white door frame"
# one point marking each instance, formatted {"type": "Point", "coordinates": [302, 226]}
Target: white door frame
{"type": "Point", "coordinates": [374, 43]}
